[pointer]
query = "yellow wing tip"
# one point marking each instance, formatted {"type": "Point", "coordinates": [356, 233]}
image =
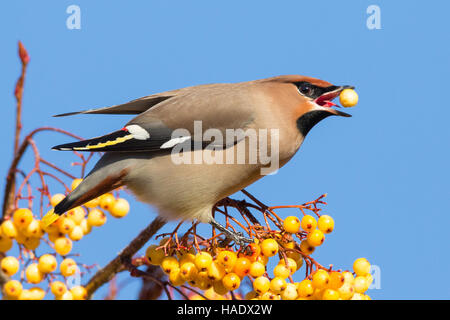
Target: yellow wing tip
{"type": "Point", "coordinates": [50, 217]}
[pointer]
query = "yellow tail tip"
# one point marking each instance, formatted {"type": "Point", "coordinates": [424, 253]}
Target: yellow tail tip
{"type": "Point", "coordinates": [49, 218]}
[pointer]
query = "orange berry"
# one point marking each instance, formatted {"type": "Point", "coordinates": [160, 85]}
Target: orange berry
{"type": "Point", "coordinates": [5, 243]}
{"type": "Point", "coordinates": [216, 271]}
{"type": "Point", "coordinates": [242, 267]}
{"type": "Point", "coordinates": [336, 280]}
{"type": "Point", "coordinates": [33, 229]}
{"type": "Point", "coordinates": [281, 271]}
{"type": "Point", "coordinates": [188, 271]}
{"type": "Point", "coordinates": [93, 203]}
{"type": "Point", "coordinates": [277, 284]}
{"type": "Point", "coordinates": [203, 260]}
{"type": "Point", "coordinates": [305, 288]}
{"type": "Point", "coordinates": [31, 243]}
{"type": "Point", "coordinates": [65, 225]}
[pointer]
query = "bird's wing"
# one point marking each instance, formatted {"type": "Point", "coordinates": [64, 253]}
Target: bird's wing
{"type": "Point", "coordinates": [216, 107]}
{"type": "Point", "coordinates": [132, 107]}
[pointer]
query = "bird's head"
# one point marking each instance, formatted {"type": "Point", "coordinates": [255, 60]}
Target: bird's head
{"type": "Point", "coordinates": [310, 99]}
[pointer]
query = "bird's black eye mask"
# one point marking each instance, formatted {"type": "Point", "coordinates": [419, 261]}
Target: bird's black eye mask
{"type": "Point", "coordinates": [311, 91]}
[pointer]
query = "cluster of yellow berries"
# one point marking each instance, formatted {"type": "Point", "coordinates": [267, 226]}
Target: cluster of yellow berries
{"type": "Point", "coordinates": [29, 233]}
{"type": "Point", "coordinates": [218, 271]}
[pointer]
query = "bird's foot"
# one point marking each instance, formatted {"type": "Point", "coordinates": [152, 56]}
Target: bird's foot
{"type": "Point", "coordinates": [238, 237]}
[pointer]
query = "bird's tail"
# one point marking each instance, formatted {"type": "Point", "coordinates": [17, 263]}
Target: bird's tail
{"type": "Point", "coordinates": [102, 179]}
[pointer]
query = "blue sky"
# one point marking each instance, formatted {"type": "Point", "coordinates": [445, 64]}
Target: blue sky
{"type": "Point", "coordinates": [385, 169]}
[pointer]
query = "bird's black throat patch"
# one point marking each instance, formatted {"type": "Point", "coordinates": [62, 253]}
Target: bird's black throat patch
{"type": "Point", "coordinates": [310, 119]}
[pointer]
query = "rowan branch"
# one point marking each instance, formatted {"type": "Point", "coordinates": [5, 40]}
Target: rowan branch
{"type": "Point", "coordinates": [107, 273]}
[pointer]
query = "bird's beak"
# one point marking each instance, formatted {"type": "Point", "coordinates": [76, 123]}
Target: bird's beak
{"type": "Point", "coordinates": [323, 102]}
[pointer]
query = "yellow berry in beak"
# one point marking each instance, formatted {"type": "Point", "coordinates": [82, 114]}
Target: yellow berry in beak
{"type": "Point", "coordinates": [348, 98]}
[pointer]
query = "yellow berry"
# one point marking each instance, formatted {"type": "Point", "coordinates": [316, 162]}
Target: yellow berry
{"type": "Point", "coordinates": [289, 263]}
{"type": "Point", "coordinates": [58, 288]}
{"type": "Point", "coordinates": [242, 267]}
{"type": "Point", "coordinates": [251, 295]}
{"type": "Point", "coordinates": [269, 247]}
{"type": "Point", "coordinates": [36, 293]}
{"type": "Point", "coordinates": [85, 227]}
{"type": "Point", "coordinates": [33, 229]}
{"type": "Point", "coordinates": [33, 274]}
{"type": "Point", "coordinates": [346, 291]}
{"type": "Point", "coordinates": [203, 260]}
{"type": "Point", "coordinates": [79, 293]}
{"type": "Point", "coordinates": [5, 243]}
{"type": "Point", "coordinates": [10, 265]}
{"type": "Point", "coordinates": [261, 285]}
{"type": "Point", "coordinates": [348, 277]}
{"type": "Point", "coordinates": [120, 208]}
{"type": "Point", "coordinates": [330, 294]}
{"type": "Point", "coordinates": [107, 201]}
{"type": "Point", "coordinates": [68, 267]}
{"type": "Point", "coordinates": [65, 225]}
{"type": "Point", "coordinates": [216, 271]}
{"type": "Point", "coordinates": [305, 288]}
{"type": "Point", "coordinates": [93, 203]}
{"type": "Point", "coordinates": [348, 98]}
{"type": "Point", "coordinates": [290, 293]}
{"type": "Point", "coordinates": [96, 218]}
{"type": "Point", "coordinates": [22, 217]}
{"type": "Point", "coordinates": [76, 234]}
{"type": "Point", "coordinates": [263, 259]}
{"type": "Point", "coordinates": [269, 295]}
{"type": "Point", "coordinates": [154, 255]}
{"type": "Point", "coordinates": [360, 284]}
{"type": "Point", "coordinates": [65, 296]}
{"type": "Point", "coordinates": [227, 258]}
{"type": "Point", "coordinates": [175, 277]}
{"type": "Point", "coordinates": [56, 198]}
{"type": "Point", "coordinates": [12, 288]}
{"type": "Point", "coordinates": [291, 224]}
{"type": "Point", "coordinates": [219, 288]}
{"type": "Point", "coordinates": [281, 271]}
{"type": "Point", "coordinates": [9, 229]}
{"type": "Point", "coordinates": [188, 271]}
{"type": "Point", "coordinates": [257, 269]}
{"type": "Point", "coordinates": [63, 246]}
{"type": "Point", "coordinates": [315, 238]}
{"type": "Point", "coordinates": [320, 279]}
{"type": "Point", "coordinates": [77, 215]}
{"type": "Point", "coordinates": [306, 248]}
{"type": "Point", "coordinates": [31, 243]}
{"type": "Point", "coordinates": [277, 284]}
{"type": "Point", "coordinates": [358, 296]}
{"type": "Point", "coordinates": [47, 263]}
{"type": "Point", "coordinates": [75, 183]}
{"type": "Point", "coordinates": [169, 263]}
{"type": "Point", "coordinates": [308, 223]}
{"type": "Point", "coordinates": [325, 224]}
{"type": "Point", "coordinates": [231, 281]}
{"type": "Point", "coordinates": [361, 266]}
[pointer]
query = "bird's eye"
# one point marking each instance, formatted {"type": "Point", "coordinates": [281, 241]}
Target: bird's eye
{"type": "Point", "coordinates": [306, 89]}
